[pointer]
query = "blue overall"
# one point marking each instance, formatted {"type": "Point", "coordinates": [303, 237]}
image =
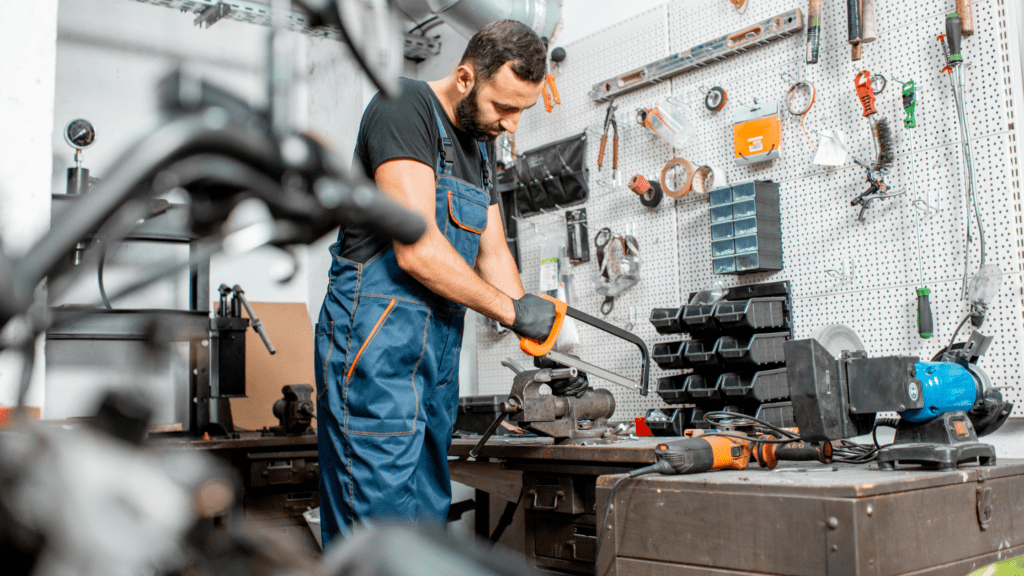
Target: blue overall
{"type": "Point", "coordinates": [387, 373]}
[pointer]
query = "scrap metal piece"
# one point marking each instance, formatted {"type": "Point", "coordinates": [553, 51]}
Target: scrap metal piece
{"type": "Point", "coordinates": [781, 26]}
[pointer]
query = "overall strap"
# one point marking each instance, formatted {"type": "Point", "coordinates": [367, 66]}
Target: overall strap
{"type": "Point", "coordinates": [445, 148]}
{"type": "Point", "coordinates": [485, 167]}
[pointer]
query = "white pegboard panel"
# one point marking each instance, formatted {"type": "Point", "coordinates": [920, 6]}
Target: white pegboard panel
{"type": "Point", "coordinates": [820, 228]}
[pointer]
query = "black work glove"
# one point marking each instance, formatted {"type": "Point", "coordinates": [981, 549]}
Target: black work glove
{"type": "Point", "coordinates": [535, 317]}
{"type": "Point", "coordinates": [565, 386]}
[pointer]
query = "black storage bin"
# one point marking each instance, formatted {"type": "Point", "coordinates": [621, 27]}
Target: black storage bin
{"type": "Point", "coordinates": [758, 349]}
{"type": "Point", "coordinates": [476, 413]}
{"type": "Point", "coordinates": [668, 421]}
{"type": "Point", "coordinates": [777, 413]}
{"type": "Point", "coordinates": [699, 319]}
{"type": "Point", "coordinates": [667, 320]}
{"type": "Point", "coordinates": [763, 386]}
{"type": "Point", "coordinates": [752, 314]}
{"type": "Point", "coordinates": [554, 175]}
{"type": "Point", "coordinates": [704, 390]}
{"type": "Point", "coordinates": [672, 389]}
{"type": "Point", "coordinates": [701, 354]}
{"type": "Point", "coordinates": [669, 355]}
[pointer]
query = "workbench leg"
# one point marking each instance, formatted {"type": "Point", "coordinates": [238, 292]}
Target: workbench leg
{"type": "Point", "coordinates": [482, 523]}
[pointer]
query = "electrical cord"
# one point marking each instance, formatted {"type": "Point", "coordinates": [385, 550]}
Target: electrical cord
{"type": "Point", "coordinates": [660, 468]}
{"type": "Point", "coordinates": [957, 331]}
{"type": "Point", "coordinates": [719, 416]}
{"type": "Point", "coordinates": [849, 452]}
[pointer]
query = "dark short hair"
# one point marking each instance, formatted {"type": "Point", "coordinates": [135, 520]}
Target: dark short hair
{"type": "Point", "coordinates": [507, 41]}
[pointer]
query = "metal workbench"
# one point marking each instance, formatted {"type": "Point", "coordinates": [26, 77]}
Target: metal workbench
{"type": "Point", "coordinates": [837, 520]}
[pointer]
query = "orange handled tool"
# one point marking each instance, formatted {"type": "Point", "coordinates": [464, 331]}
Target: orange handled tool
{"type": "Point", "coordinates": [537, 349]}
{"type": "Point", "coordinates": [534, 348]}
{"type": "Point", "coordinates": [865, 93]}
{"type": "Point", "coordinates": [704, 453]}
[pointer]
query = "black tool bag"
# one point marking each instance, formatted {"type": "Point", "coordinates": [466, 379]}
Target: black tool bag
{"type": "Point", "coordinates": [554, 175]}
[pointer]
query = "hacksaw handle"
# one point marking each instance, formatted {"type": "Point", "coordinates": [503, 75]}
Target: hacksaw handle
{"type": "Point", "coordinates": [534, 348]}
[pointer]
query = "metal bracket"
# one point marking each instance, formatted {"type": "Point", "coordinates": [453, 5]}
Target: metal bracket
{"type": "Point", "coordinates": [212, 15]}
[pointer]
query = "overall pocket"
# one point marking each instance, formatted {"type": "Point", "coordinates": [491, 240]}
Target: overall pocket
{"type": "Point", "coordinates": [383, 383]}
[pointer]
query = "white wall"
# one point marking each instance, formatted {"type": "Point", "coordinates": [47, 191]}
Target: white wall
{"type": "Point", "coordinates": [27, 58]}
{"type": "Point", "coordinates": [111, 54]}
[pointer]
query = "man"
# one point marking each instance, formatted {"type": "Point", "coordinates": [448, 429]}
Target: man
{"type": "Point", "coordinates": [390, 330]}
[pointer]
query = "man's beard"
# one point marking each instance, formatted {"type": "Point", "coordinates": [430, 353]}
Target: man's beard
{"type": "Point", "coordinates": [467, 112]}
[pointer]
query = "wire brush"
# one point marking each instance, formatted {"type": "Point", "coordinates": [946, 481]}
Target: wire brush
{"type": "Point", "coordinates": [886, 145]}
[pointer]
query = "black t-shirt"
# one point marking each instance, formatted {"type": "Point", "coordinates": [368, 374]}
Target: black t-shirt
{"type": "Point", "coordinates": [404, 128]}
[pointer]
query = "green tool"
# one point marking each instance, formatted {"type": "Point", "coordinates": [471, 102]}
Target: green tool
{"type": "Point", "coordinates": [909, 104]}
{"type": "Point", "coordinates": [925, 323]}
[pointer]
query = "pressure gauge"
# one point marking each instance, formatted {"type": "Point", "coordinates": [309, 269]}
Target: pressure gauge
{"type": "Point", "coordinates": [79, 134]}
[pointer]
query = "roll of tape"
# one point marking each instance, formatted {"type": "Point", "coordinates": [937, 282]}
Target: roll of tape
{"type": "Point", "coordinates": [691, 171]}
{"type": "Point", "coordinates": [716, 179]}
{"type": "Point", "coordinates": [639, 185]}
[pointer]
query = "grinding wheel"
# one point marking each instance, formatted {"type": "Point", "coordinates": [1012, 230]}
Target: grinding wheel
{"type": "Point", "coordinates": [836, 338]}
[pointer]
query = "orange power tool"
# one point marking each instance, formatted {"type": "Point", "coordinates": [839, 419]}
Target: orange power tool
{"type": "Point", "coordinates": [702, 454]}
{"type": "Point", "coordinates": [537, 349]}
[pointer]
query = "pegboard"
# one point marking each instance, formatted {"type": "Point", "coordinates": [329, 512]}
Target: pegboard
{"type": "Point", "coordinates": [820, 230]}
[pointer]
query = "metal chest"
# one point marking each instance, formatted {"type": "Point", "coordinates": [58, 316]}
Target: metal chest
{"type": "Point", "coordinates": [853, 521]}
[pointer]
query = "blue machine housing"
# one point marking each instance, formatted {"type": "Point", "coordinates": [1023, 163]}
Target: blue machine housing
{"type": "Point", "coordinates": [946, 387]}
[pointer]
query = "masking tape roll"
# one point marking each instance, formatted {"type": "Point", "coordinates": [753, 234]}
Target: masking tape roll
{"type": "Point", "coordinates": [691, 171]}
{"type": "Point", "coordinates": [716, 179]}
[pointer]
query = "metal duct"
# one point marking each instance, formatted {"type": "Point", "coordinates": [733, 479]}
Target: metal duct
{"type": "Point", "coordinates": [467, 17]}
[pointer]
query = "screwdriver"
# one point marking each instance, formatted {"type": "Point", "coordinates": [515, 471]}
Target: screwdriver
{"type": "Point", "coordinates": [925, 324]}
{"type": "Point", "coordinates": [953, 38]}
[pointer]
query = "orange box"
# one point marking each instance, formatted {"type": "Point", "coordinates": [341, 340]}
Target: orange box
{"type": "Point", "coordinates": [757, 134]}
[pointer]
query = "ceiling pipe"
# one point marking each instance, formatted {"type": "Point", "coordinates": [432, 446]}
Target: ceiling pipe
{"type": "Point", "coordinates": [467, 17]}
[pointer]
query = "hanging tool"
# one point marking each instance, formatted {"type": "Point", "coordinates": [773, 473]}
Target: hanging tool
{"type": "Point", "coordinates": [740, 5]}
{"type": "Point", "coordinates": [576, 234]}
{"type": "Point", "coordinates": [537, 349]}
{"type": "Point", "coordinates": [798, 86]}
{"type": "Point", "coordinates": [702, 55]}
{"type": "Point", "coordinates": [868, 22]}
{"type": "Point", "coordinates": [954, 60]}
{"type": "Point", "coordinates": [618, 266]}
{"type": "Point", "coordinates": [715, 99]}
{"type": "Point", "coordinates": [910, 104]}
{"type": "Point", "coordinates": [557, 56]}
{"type": "Point", "coordinates": [853, 30]}
{"type": "Point", "coordinates": [966, 12]}
{"type": "Point", "coordinates": [925, 323]}
{"type": "Point", "coordinates": [881, 137]}
{"type": "Point", "coordinates": [610, 122]}
{"type": "Point", "coordinates": [813, 31]}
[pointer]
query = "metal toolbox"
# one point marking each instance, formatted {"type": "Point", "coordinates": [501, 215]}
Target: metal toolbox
{"type": "Point", "coordinates": [855, 521]}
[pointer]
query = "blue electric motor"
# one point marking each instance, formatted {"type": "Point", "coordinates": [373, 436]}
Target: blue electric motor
{"type": "Point", "coordinates": [946, 387]}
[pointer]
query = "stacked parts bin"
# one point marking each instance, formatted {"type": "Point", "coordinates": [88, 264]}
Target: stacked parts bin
{"type": "Point", "coordinates": [746, 228]}
{"type": "Point", "coordinates": [734, 359]}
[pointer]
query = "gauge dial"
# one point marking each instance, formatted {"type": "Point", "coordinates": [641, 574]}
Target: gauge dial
{"type": "Point", "coordinates": [79, 133]}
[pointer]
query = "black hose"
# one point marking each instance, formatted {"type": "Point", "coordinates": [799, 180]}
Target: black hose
{"type": "Point", "coordinates": [99, 278]}
{"type": "Point", "coordinates": [424, 23]}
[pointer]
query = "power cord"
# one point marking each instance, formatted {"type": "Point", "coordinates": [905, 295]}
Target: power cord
{"type": "Point", "coordinates": [661, 467]}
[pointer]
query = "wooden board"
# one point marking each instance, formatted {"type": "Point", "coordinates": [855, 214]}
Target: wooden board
{"type": "Point", "coordinates": [287, 325]}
